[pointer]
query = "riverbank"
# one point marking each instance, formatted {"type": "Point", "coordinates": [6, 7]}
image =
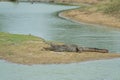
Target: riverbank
{"type": "Point", "coordinates": [94, 14]}
{"type": "Point", "coordinates": [28, 49]}
{"type": "Point", "coordinates": [91, 17]}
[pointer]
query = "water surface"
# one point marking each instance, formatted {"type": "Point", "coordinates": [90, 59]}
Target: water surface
{"type": "Point", "coordinates": [93, 70]}
{"type": "Point", "coordinates": [40, 19]}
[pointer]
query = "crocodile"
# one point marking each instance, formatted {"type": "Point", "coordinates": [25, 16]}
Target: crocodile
{"type": "Point", "coordinates": [74, 48]}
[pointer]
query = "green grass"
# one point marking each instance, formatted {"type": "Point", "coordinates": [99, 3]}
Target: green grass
{"type": "Point", "coordinates": [113, 7]}
{"type": "Point", "coordinates": [6, 38]}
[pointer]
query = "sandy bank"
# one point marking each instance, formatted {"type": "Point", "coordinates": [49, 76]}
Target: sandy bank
{"type": "Point", "coordinates": [28, 49]}
{"type": "Point", "coordinates": [91, 17]}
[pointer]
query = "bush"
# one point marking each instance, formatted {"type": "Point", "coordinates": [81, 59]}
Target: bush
{"type": "Point", "coordinates": [113, 7]}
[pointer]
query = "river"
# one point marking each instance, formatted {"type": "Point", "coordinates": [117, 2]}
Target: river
{"type": "Point", "coordinates": [41, 20]}
{"type": "Point", "coordinates": [91, 70]}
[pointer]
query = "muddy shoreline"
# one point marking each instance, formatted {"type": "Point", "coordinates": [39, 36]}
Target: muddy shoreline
{"type": "Point", "coordinates": [93, 18]}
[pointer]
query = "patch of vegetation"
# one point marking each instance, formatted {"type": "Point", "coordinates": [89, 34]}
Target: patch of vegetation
{"type": "Point", "coordinates": [113, 7]}
{"type": "Point", "coordinates": [16, 38]}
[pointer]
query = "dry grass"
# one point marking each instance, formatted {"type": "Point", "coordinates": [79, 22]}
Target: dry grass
{"type": "Point", "coordinates": [31, 51]}
{"type": "Point", "coordinates": [96, 14]}
{"type": "Point", "coordinates": [92, 17]}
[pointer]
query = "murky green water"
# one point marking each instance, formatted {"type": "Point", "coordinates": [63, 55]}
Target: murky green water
{"type": "Point", "coordinates": [93, 70]}
{"type": "Point", "coordinates": [41, 20]}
